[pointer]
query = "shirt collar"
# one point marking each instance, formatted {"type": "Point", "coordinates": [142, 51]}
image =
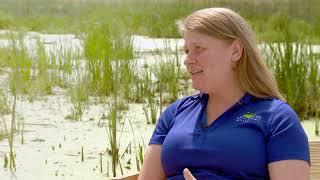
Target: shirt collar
{"type": "Point", "coordinates": [245, 99]}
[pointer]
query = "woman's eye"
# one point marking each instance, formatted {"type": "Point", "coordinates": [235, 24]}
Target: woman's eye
{"type": "Point", "coordinates": [198, 48]}
{"type": "Point", "coordinates": [186, 51]}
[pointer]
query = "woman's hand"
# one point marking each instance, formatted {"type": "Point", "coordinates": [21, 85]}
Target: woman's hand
{"type": "Point", "coordinates": [187, 175]}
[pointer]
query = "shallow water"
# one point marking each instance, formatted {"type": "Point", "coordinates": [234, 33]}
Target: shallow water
{"type": "Point", "coordinates": [52, 144]}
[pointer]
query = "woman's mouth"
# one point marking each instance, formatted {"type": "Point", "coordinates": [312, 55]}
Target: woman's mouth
{"type": "Point", "coordinates": [195, 72]}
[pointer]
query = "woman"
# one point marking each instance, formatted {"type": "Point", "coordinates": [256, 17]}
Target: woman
{"type": "Point", "coordinates": [238, 126]}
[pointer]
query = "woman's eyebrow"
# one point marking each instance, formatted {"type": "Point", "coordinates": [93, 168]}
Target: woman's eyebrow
{"type": "Point", "coordinates": [195, 44]}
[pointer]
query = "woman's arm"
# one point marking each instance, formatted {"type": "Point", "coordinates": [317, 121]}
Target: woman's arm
{"type": "Point", "coordinates": [289, 170]}
{"type": "Point", "coordinates": [152, 168]}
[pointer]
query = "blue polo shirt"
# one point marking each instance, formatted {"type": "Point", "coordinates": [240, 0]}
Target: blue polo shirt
{"type": "Point", "coordinates": [237, 145]}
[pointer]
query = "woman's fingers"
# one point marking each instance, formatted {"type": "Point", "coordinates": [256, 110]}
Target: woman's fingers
{"type": "Point", "coordinates": [187, 175]}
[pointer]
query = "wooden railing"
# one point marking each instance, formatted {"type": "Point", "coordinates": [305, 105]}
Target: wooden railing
{"type": "Point", "coordinates": [315, 160]}
{"type": "Point", "coordinates": [314, 172]}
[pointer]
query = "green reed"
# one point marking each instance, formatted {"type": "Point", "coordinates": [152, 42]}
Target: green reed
{"type": "Point", "coordinates": [5, 164]}
{"type": "Point", "coordinates": [127, 77]}
{"type": "Point", "coordinates": [296, 68]}
{"type": "Point", "coordinates": [104, 45]}
{"type": "Point", "coordinates": [149, 92]}
{"type": "Point", "coordinates": [41, 70]}
{"type": "Point", "coordinates": [4, 105]}
{"type": "Point", "coordinates": [79, 93]}
{"type": "Point", "coordinates": [115, 116]}
{"type": "Point", "coordinates": [109, 53]}
{"type": "Point", "coordinates": [316, 130]}
{"type": "Point", "coordinates": [112, 136]}
{"type": "Point", "coordinates": [82, 154]}
{"type": "Point", "coordinates": [167, 72]}
{"type": "Point", "coordinates": [139, 152]}
{"type": "Point", "coordinates": [5, 109]}
{"type": "Point", "coordinates": [63, 64]}
{"type": "Point", "coordinates": [19, 63]}
{"type": "Point", "coordinates": [139, 158]}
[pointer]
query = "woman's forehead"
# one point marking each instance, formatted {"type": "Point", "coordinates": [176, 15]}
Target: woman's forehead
{"type": "Point", "coordinates": [196, 38]}
{"type": "Point", "coordinates": [203, 40]}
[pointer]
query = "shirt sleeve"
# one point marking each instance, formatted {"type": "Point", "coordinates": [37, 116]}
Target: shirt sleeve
{"type": "Point", "coordinates": [164, 123]}
{"type": "Point", "coordinates": [287, 139]}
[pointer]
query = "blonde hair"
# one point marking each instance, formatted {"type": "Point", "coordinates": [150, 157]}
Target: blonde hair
{"type": "Point", "coordinates": [254, 75]}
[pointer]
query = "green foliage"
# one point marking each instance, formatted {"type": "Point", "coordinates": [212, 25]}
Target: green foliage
{"type": "Point", "coordinates": [149, 93]}
{"type": "Point", "coordinates": [296, 69]}
{"type": "Point", "coordinates": [112, 136]}
{"type": "Point", "coordinates": [41, 83]}
{"type": "Point", "coordinates": [4, 104]}
{"type": "Point", "coordinates": [20, 63]}
{"type": "Point", "coordinates": [167, 75]}
{"type": "Point", "coordinates": [107, 48]}
{"type": "Point", "coordinates": [5, 23]}
{"type": "Point", "coordinates": [79, 94]}
{"type": "Point", "coordinates": [158, 18]}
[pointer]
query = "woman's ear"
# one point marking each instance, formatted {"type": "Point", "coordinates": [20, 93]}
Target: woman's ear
{"type": "Point", "coordinates": [237, 50]}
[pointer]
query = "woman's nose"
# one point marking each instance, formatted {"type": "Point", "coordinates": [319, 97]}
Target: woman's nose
{"type": "Point", "coordinates": [189, 59]}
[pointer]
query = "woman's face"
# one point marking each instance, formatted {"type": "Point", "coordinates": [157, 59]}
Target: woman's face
{"type": "Point", "coordinates": [208, 61]}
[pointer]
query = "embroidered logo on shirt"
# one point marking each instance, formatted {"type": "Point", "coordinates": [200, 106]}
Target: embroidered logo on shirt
{"type": "Point", "coordinates": [248, 116]}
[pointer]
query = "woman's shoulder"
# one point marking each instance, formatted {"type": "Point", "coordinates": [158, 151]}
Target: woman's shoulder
{"type": "Point", "coordinates": [276, 108]}
{"type": "Point", "coordinates": [275, 116]}
{"type": "Point", "coordinates": [270, 103]}
{"type": "Point", "coordinates": [186, 102]}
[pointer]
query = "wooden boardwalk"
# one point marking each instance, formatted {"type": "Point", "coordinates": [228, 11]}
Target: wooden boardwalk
{"type": "Point", "coordinates": [315, 160]}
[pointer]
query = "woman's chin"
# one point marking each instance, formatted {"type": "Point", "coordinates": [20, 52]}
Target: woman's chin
{"type": "Point", "coordinates": [198, 87]}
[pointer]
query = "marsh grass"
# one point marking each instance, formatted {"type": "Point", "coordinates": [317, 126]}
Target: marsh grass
{"type": "Point", "coordinates": [313, 77]}
{"type": "Point", "coordinates": [139, 152]}
{"type": "Point", "coordinates": [316, 131]}
{"type": "Point", "coordinates": [97, 50]}
{"type": "Point", "coordinates": [79, 93]}
{"type": "Point", "coordinates": [167, 72]}
{"type": "Point", "coordinates": [114, 119]}
{"type": "Point", "coordinates": [63, 65]}
{"type": "Point", "coordinates": [151, 107]}
{"type": "Point", "coordinates": [127, 77]}
{"type": "Point", "coordinates": [82, 154]}
{"type": "Point", "coordinates": [296, 70]}
{"type": "Point", "coordinates": [4, 103]}
{"type": "Point", "coordinates": [5, 109]}
{"type": "Point", "coordinates": [20, 64]}
{"type": "Point", "coordinates": [112, 136]}
{"type": "Point", "coordinates": [10, 135]}
{"type": "Point", "coordinates": [138, 90]}
{"type": "Point", "coordinates": [104, 45]}
{"type": "Point", "coordinates": [41, 78]}
{"type": "Point", "coordinates": [20, 127]}
{"type": "Point", "coordinates": [5, 164]}
{"type": "Point", "coordinates": [139, 157]}
{"type": "Point", "coordinates": [156, 19]}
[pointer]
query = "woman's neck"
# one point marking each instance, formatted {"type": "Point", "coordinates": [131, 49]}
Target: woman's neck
{"type": "Point", "coordinates": [221, 101]}
{"type": "Point", "coordinates": [225, 98]}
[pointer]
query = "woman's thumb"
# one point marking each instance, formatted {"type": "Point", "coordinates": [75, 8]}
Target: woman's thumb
{"type": "Point", "coordinates": [187, 174]}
